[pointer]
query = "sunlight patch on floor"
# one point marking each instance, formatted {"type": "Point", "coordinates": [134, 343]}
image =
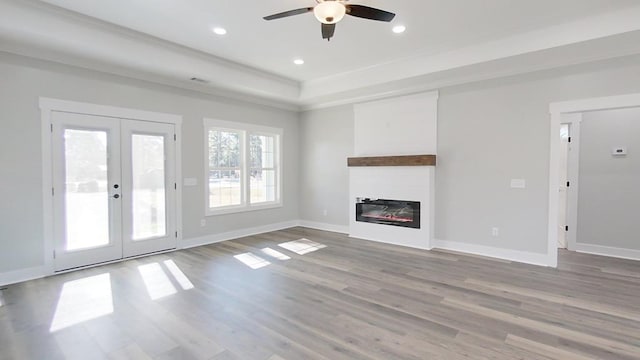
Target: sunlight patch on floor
{"type": "Point", "coordinates": [275, 254]}
{"type": "Point", "coordinates": [251, 260]}
{"type": "Point", "coordinates": [156, 281]}
{"type": "Point", "coordinates": [302, 246]}
{"type": "Point", "coordinates": [180, 277]}
{"type": "Point", "coordinates": [82, 300]}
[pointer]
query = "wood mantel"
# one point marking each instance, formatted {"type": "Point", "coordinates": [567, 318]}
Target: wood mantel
{"type": "Point", "coordinates": [404, 160]}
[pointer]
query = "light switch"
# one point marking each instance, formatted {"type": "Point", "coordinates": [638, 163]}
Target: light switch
{"type": "Point", "coordinates": [518, 183]}
{"type": "Point", "coordinates": [190, 181]}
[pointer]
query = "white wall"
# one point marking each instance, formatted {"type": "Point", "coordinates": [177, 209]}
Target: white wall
{"type": "Point", "coordinates": [488, 133]}
{"type": "Point", "coordinates": [405, 125]}
{"type": "Point", "coordinates": [608, 199]}
{"type": "Point", "coordinates": [23, 81]}
{"type": "Point", "coordinates": [326, 140]}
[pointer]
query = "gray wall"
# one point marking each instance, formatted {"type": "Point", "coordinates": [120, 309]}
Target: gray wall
{"type": "Point", "coordinates": [608, 196]}
{"type": "Point", "coordinates": [488, 133]}
{"type": "Point", "coordinates": [326, 140]}
{"type": "Point", "coordinates": [23, 81]}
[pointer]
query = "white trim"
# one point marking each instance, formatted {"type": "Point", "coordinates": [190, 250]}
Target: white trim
{"type": "Point", "coordinates": [350, 100]}
{"type": "Point", "coordinates": [47, 186]}
{"type": "Point", "coordinates": [558, 110]}
{"type": "Point", "coordinates": [237, 125]}
{"type": "Point", "coordinates": [235, 209]}
{"type": "Point", "coordinates": [108, 111]}
{"type": "Point", "coordinates": [595, 104]}
{"type": "Point", "coordinates": [617, 252]}
{"type": "Point", "coordinates": [493, 252]}
{"type": "Point", "coordinates": [235, 234]}
{"type": "Point", "coordinates": [17, 276]}
{"type": "Point", "coordinates": [178, 172]}
{"type": "Point", "coordinates": [342, 229]}
{"type": "Point", "coordinates": [47, 106]}
{"type": "Point", "coordinates": [554, 197]}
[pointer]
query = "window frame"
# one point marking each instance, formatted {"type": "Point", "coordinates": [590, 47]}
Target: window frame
{"type": "Point", "coordinates": [245, 130]}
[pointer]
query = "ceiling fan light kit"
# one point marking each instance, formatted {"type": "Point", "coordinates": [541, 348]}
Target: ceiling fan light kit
{"type": "Point", "coordinates": [330, 12]}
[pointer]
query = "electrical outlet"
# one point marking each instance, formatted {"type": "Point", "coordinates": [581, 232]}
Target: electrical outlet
{"type": "Point", "coordinates": [324, 212]}
{"type": "Point", "coordinates": [495, 232]}
{"type": "Point", "coordinates": [203, 222]}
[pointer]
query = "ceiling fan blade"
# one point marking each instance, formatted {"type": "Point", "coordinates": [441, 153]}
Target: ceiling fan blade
{"type": "Point", "coordinates": [288, 13]}
{"type": "Point", "coordinates": [369, 13]}
{"type": "Point", "coordinates": [328, 30]}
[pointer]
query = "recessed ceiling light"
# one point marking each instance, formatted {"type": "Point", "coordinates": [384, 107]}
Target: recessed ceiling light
{"type": "Point", "coordinates": [399, 29]}
{"type": "Point", "coordinates": [298, 61]}
{"type": "Point", "coordinates": [219, 31]}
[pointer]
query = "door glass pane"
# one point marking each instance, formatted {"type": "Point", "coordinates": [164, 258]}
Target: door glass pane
{"type": "Point", "coordinates": [148, 172]}
{"type": "Point", "coordinates": [86, 195]}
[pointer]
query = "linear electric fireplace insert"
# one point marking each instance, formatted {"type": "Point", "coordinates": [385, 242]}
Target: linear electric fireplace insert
{"type": "Point", "coordinates": [389, 212]}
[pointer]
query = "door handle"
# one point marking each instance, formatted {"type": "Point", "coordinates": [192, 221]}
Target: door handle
{"type": "Point", "coordinates": [116, 196]}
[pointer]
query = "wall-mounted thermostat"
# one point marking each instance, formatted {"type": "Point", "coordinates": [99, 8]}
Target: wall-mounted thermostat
{"type": "Point", "coordinates": [619, 151]}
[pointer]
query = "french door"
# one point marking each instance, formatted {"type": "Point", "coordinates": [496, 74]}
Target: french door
{"type": "Point", "coordinates": [113, 188]}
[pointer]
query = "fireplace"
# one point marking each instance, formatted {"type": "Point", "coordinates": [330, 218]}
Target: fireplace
{"type": "Point", "coordinates": [389, 212]}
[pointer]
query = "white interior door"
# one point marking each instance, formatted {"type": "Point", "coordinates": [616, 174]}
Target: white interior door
{"type": "Point", "coordinates": [113, 188]}
{"type": "Point", "coordinates": [562, 198]}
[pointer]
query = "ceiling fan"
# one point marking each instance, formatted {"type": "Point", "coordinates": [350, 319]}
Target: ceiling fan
{"type": "Point", "coordinates": [329, 12]}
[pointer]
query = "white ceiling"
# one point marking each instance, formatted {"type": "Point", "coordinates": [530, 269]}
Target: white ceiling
{"type": "Point", "coordinates": [433, 26]}
{"type": "Point", "coordinates": [441, 35]}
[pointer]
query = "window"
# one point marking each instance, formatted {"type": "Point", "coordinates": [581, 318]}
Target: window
{"type": "Point", "coordinates": [242, 164]}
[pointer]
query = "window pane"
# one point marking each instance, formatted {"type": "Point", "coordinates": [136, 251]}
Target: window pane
{"type": "Point", "coordinates": [86, 196]}
{"type": "Point", "coordinates": [224, 188]}
{"type": "Point", "coordinates": [224, 149]}
{"type": "Point", "coordinates": [262, 149]}
{"type": "Point", "coordinates": [148, 186]}
{"type": "Point", "coordinates": [263, 186]}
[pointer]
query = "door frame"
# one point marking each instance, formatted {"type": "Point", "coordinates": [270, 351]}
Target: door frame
{"type": "Point", "coordinates": [49, 105]}
{"type": "Point", "coordinates": [562, 112]}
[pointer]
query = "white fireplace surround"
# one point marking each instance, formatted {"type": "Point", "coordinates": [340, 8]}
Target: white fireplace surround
{"type": "Point", "coordinates": [411, 183]}
{"type": "Point", "coordinates": [399, 126]}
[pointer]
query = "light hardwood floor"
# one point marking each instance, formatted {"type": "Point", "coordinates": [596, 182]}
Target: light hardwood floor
{"type": "Point", "coordinates": [346, 299]}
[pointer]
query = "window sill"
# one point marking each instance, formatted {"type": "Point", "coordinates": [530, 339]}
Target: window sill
{"type": "Point", "coordinates": [241, 209]}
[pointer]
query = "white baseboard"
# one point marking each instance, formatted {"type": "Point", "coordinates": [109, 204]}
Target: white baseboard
{"type": "Point", "coordinates": [342, 229]}
{"type": "Point", "coordinates": [494, 252]}
{"type": "Point", "coordinates": [216, 238]}
{"type": "Point", "coordinates": [621, 253]}
{"type": "Point", "coordinates": [16, 276]}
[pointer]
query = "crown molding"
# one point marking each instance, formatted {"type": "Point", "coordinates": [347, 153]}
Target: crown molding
{"type": "Point", "coordinates": [86, 43]}
{"type": "Point", "coordinates": [65, 64]}
{"type": "Point", "coordinates": [575, 32]}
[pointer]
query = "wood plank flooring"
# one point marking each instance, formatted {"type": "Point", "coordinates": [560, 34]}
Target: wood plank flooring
{"type": "Point", "coordinates": [331, 298]}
